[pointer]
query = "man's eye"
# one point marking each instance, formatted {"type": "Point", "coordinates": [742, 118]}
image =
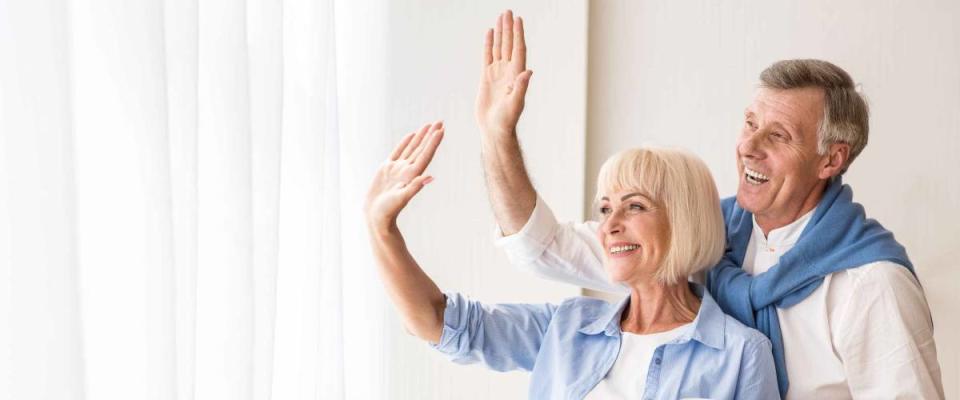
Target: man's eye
{"type": "Point", "coordinates": [604, 210]}
{"type": "Point", "coordinates": [751, 125]}
{"type": "Point", "coordinates": [778, 135]}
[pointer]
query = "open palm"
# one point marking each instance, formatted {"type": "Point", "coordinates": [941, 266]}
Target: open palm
{"type": "Point", "coordinates": [401, 175]}
{"type": "Point", "coordinates": [504, 80]}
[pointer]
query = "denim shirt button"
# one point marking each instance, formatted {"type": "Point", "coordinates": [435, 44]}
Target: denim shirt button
{"type": "Point", "coordinates": [656, 361]}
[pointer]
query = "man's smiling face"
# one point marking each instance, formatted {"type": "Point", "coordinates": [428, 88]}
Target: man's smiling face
{"type": "Point", "coordinates": [780, 169]}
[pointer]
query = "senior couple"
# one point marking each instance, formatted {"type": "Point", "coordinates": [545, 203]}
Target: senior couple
{"type": "Point", "coordinates": [804, 297]}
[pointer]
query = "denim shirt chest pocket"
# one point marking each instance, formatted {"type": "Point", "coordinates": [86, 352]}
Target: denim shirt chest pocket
{"type": "Point", "coordinates": [596, 367]}
{"type": "Point", "coordinates": [698, 377]}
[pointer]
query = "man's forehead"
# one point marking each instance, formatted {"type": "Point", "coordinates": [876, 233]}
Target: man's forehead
{"type": "Point", "coordinates": [794, 106]}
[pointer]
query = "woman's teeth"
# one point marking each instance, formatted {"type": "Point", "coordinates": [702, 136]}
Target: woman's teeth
{"type": "Point", "coordinates": [621, 249]}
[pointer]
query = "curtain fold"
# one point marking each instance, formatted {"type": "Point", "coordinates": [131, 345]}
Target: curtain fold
{"type": "Point", "coordinates": [41, 352]}
{"type": "Point", "coordinates": [170, 201]}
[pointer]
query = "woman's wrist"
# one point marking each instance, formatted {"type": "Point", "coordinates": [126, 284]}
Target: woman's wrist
{"type": "Point", "coordinates": [385, 227]}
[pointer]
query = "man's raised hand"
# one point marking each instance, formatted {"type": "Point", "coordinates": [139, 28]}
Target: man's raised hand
{"type": "Point", "coordinates": [504, 77]}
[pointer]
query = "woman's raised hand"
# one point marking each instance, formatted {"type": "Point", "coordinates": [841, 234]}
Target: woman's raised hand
{"type": "Point", "coordinates": [401, 176]}
{"type": "Point", "coordinates": [504, 80]}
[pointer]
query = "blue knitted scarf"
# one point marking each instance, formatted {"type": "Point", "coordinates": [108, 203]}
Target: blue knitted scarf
{"type": "Point", "coordinates": [838, 236]}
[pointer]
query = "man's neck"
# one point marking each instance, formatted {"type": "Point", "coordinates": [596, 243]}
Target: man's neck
{"type": "Point", "coordinates": [770, 221]}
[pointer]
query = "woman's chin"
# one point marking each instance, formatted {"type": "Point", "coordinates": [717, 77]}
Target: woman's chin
{"type": "Point", "coordinates": [619, 275]}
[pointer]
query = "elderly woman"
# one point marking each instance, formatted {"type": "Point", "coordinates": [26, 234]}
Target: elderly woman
{"type": "Point", "coordinates": [660, 223]}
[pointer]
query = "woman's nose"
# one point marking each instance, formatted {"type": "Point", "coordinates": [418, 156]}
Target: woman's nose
{"type": "Point", "coordinates": [612, 224]}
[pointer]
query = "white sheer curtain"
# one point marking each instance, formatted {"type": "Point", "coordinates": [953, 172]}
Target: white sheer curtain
{"type": "Point", "coordinates": [179, 190]}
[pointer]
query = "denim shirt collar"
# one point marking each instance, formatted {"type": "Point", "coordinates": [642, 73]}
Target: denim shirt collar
{"type": "Point", "coordinates": [707, 327]}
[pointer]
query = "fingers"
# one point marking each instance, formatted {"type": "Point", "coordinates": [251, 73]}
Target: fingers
{"type": "Point", "coordinates": [423, 158]}
{"type": "Point", "coordinates": [507, 33]}
{"type": "Point", "coordinates": [521, 82]}
{"type": "Point", "coordinates": [425, 142]}
{"type": "Point", "coordinates": [488, 48]}
{"type": "Point", "coordinates": [519, 56]}
{"type": "Point", "coordinates": [497, 29]}
{"type": "Point", "coordinates": [414, 143]}
{"type": "Point", "coordinates": [401, 147]}
{"type": "Point", "coordinates": [415, 186]}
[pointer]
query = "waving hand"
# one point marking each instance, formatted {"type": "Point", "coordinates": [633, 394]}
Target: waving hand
{"type": "Point", "coordinates": [504, 80]}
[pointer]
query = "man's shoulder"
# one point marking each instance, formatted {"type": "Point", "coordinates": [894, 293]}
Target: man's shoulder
{"type": "Point", "coordinates": [876, 292]}
{"type": "Point", "coordinates": [884, 275]}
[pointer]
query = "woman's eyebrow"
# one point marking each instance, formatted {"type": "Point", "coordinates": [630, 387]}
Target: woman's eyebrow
{"type": "Point", "coordinates": [627, 196]}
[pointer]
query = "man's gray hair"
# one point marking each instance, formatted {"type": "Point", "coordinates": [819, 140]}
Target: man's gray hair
{"type": "Point", "coordinates": [845, 112]}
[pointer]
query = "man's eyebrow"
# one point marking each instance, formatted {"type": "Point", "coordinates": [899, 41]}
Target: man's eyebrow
{"type": "Point", "coordinates": [785, 126]}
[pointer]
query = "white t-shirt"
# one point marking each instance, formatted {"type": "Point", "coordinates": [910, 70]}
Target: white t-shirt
{"type": "Point", "coordinates": [627, 378]}
{"type": "Point", "coordinates": [866, 332]}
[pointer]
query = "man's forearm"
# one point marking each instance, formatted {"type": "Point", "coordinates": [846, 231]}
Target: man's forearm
{"type": "Point", "coordinates": [511, 193]}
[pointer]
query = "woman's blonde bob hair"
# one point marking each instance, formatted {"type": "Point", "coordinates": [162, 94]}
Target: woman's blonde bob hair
{"type": "Point", "coordinates": [681, 183]}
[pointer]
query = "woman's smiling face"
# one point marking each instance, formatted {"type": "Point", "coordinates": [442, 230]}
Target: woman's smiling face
{"type": "Point", "coordinates": [635, 235]}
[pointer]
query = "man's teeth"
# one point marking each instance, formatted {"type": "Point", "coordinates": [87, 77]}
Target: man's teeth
{"type": "Point", "coordinates": [621, 249]}
{"type": "Point", "coordinates": [755, 177]}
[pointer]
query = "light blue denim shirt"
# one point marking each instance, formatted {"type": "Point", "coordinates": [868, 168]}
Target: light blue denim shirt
{"type": "Point", "coordinates": [570, 347]}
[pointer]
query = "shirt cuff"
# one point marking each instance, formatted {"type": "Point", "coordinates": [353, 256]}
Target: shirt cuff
{"type": "Point", "coordinates": [533, 239]}
{"type": "Point", "coordinates": [454, 321]}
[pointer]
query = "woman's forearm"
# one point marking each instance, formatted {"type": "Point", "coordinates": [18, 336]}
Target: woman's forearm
{"type": "Point", "coordinates": [416, 297]}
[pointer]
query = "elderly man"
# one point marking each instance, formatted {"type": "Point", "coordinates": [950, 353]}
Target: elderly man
{"type": "Point", "coordinates": [832, 289]}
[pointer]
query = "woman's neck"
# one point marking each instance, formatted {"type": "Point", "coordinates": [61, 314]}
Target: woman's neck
{"type": "Point", "coordinates": [657, 308]}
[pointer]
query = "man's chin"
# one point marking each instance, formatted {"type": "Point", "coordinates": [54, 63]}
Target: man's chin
{"type": "Point", "coordinates": [748, 201]}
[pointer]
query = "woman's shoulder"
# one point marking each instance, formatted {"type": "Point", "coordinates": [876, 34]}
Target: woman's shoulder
{"type": "Point", "coordinates": [584, 305]}
{"type": "Point", "coordinates": [739, 334]}
{"type": "Point", "coordinates": [582, 311]}
{"type": "Point", "coordinates": [735, 332]}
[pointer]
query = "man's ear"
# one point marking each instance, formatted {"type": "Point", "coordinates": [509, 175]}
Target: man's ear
{"type": "Point", "coordinates": [834, 161]}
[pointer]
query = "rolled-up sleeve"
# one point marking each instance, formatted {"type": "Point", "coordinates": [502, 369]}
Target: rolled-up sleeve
{"type": "Point", "coordinates": [526, 246]}
{"type": "Point", "coordinates": [564, 252]}
{"type": "Point", "coordinates": [503, 336]}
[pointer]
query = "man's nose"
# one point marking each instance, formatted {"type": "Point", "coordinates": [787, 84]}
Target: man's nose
{"type": "Point", "coordinates": [750, 144]}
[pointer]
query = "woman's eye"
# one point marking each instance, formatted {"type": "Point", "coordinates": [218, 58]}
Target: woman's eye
{"type": "Point", "coordinates": [604, 210]}
{"type": "Point", "coordinates": [751, 125]}
{"type": "Point", "coordinates": [637, 207]}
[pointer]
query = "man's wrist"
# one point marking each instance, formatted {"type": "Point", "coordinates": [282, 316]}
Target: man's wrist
{"type": "Point", "coordinates": [498, 133]}
{"type": "Point", "coordinates": [499, 141]}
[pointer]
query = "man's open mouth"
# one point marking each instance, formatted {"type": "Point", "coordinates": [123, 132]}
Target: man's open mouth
{"type": "Point", "coordinates": [754, 177]}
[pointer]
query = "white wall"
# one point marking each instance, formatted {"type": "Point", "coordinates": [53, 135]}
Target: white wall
{"type": "Point", "coordinates": [681, 73]}
{"type": "Point", "coordinates": [432, 66]}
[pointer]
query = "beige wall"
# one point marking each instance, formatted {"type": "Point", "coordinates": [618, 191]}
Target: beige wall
{"type": "Point", "coordinates": [681, 73]}
{"type": "Point", "coordinates": [433, 70]}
